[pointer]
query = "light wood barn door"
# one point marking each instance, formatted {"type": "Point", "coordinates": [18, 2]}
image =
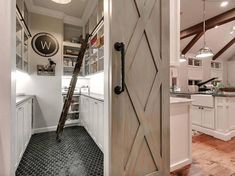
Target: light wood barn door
{"type": "Point", "coordinates": [140, 114]}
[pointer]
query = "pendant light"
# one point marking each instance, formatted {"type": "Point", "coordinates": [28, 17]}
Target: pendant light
{"type": "Point", "coordinates": [62, 1]}
{"type": "Point", "coordinates": [205, 51]}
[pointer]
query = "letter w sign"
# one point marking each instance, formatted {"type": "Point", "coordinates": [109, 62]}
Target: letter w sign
{"type": "Point", "coordinates": [44, 45]}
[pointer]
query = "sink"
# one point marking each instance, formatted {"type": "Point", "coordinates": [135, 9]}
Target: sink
{"type": "Point", "coordinates": [203, 100]}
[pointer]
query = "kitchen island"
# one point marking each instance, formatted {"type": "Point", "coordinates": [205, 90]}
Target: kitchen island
{"type": "Point", "coordinates": [180, 132]}
{"type": "Point", "coordinates": [214, 115]}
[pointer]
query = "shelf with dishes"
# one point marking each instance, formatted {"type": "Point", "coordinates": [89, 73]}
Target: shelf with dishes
{"type": "Point", "coordinates": [73, 113]}
{"type": "Point", "coordinates": [94, 58]}
{"type": "Point", "coordinates": [71, 51]}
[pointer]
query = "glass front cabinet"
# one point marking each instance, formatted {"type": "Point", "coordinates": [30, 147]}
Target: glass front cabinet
{"type": "Point", "coordinates": [22, 36]}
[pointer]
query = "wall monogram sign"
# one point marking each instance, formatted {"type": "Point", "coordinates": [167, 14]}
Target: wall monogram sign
{"type": "Point", "coordinates": [45, 44]}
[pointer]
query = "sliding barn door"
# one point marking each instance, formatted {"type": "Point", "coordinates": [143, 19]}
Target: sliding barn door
{"type": "Point", "coordinates": [139, 32]}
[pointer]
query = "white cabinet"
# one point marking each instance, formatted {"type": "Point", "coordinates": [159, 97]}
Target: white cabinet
{"type": "Point", "coordinates": [203, 116]}
{"type": "Point", "coordinates": [100, 124]}
{"type": "Point", "coordinates": [214, 116]}
{"type": "Point", "coordinates": [23, 129]}
{"type": "Point", "coordinates": [196, 115]}
{"type": "Point", "coordinates": [92, 118]}
{"type": "Point", "coordinates": [19, 132]}
{"type": "Point", "coordinates": [180, 133]}
{"type": "Point", "coordinates": [208, 117]}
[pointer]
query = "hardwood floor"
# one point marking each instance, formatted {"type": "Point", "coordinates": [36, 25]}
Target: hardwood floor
{"type": "Point", "coordinates": [211, 157]}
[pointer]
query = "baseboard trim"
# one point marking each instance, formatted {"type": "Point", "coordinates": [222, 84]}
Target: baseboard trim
{"type": "Point", "coordinates": [216, 134]}
{"type": "Point", "coordinates": [53, 128]}
{"type": "Point", "coordinates": [180, 164]}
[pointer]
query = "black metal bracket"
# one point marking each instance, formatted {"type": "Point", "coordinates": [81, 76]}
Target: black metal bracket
{"type": "Point", "coordinates": [120, 46]}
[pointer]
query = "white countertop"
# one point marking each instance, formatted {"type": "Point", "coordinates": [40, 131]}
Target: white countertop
{"type": "Point", "coordinates": [174, 100]}
{"type": "Point", "coordinates": [96, 96]}
{"type": "Point", "coordinates": [22, 98]}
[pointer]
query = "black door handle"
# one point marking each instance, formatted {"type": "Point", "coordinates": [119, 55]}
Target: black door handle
{"type": "Point", "coordinates": [120, 46]}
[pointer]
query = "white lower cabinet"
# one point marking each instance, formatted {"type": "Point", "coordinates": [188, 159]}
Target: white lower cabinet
{"type": "Point", "coordinates": [92, 118]}
{"type": "Point", "coordinates": [23, 129]}
{"type": "Point", "coordinates": [208, 118]}
{"type": "Point", "coordinates": [214, 115]}
{"type": "Point", "coordinates": [196, 115]}
{"type": "Point", "coordinates": [203, 116]}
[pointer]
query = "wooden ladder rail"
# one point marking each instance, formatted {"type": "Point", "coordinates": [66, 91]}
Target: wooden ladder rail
{"type": "Point", "coordinates": [72, 85]}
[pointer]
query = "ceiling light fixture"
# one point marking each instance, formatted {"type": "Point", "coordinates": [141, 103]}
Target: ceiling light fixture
{"type": "Point", "coordinates": [224, 4]}
{"type": "Point", "coordinates": [62, 1]}
{"type": "Point", "coordinates": [205, 51]}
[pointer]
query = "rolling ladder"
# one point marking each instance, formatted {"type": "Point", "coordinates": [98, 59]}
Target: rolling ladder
{"type": "Point", "coordinates": [72, 85]}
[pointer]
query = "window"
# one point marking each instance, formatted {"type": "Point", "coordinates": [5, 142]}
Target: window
{"type": "Point", "coordinates": [216, 65]}
{"type": "Point", "coordinates": [194, 62]}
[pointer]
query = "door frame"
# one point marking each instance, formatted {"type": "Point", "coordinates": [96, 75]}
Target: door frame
{"type": "Point", "coordinates": [107, 86]}
{"type": "Point", "coordinates": [108, 83]}
{"type": "Point", "coordinates": [8, 86]}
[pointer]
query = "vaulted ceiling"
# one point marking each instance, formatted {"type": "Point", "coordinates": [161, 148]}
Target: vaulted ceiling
{"type": "Point", "coordinates": [216, 38]}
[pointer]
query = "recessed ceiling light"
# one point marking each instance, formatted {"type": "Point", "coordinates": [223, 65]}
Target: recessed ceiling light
{"type": "Point", "coordinates": [224, 4]}
{"type": "Point", "coordinates": [216, 26]}
{"type": "Point", "coordinates": [62, 1]}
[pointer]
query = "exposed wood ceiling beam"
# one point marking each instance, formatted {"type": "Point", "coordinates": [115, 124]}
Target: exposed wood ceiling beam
{"type": "Point", "coordinates": [224, 49]}
{"type": "Point", "coordinates": [210, 23]}
{"type": "Point", "coordinates": [192, 42]}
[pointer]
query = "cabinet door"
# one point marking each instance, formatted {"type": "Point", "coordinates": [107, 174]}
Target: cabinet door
{"type": "Point", "coordinates": [208, 118]}
{"type": "Point", "coordinates": [20, 131]}
{"type": "Point", "coordinates": [95, 121]}
{"type": "Point", "coordinates": [81, 108]}
{"type": "Point", "coordinates": [90, 114]}
{"type": "Point", "coordinates": [101, 124]}
{"type": "Point", "coordinates": [91, 117]}
{"type": "Point", "coordinates": [30, 116]}
{"type": "Point", "coordinates": [196, 115]}
{"type": "Point", "coordinates": [25, 124]}
{"type": "Point", "coordinates": [16, 141]}
{"type": "Point", "coordinates": [87, 114]}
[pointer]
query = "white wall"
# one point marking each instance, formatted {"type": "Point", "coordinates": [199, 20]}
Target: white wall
{"type": "Point", "coordinates": [183, 76]}
{"type": "Point", "coordinates": [80, 82]}
{"type": "Point", "coordinates": [225, 73]}
{"type": "Point", "coordinates": [206, 69]}
{"type": "Point", "coordinates": [96, 83]}
{"type": "Point", "coordinates": [7, 86]}
{"type": "Point", "coordinates": [47, 89]}
{"type": "Point", "coordinates": [231, 72]}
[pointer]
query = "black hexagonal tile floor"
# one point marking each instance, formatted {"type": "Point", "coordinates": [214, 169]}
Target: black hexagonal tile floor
{"type": "Point", "coordinates": [76, 155]}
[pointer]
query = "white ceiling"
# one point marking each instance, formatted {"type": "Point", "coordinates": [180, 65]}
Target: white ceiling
{"type": "Point", "coordinates": [192, 10]}
{"type": "Point", "coordinates": [75, 8]}
{"type": "Point", "coordinates": [216, 38]}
